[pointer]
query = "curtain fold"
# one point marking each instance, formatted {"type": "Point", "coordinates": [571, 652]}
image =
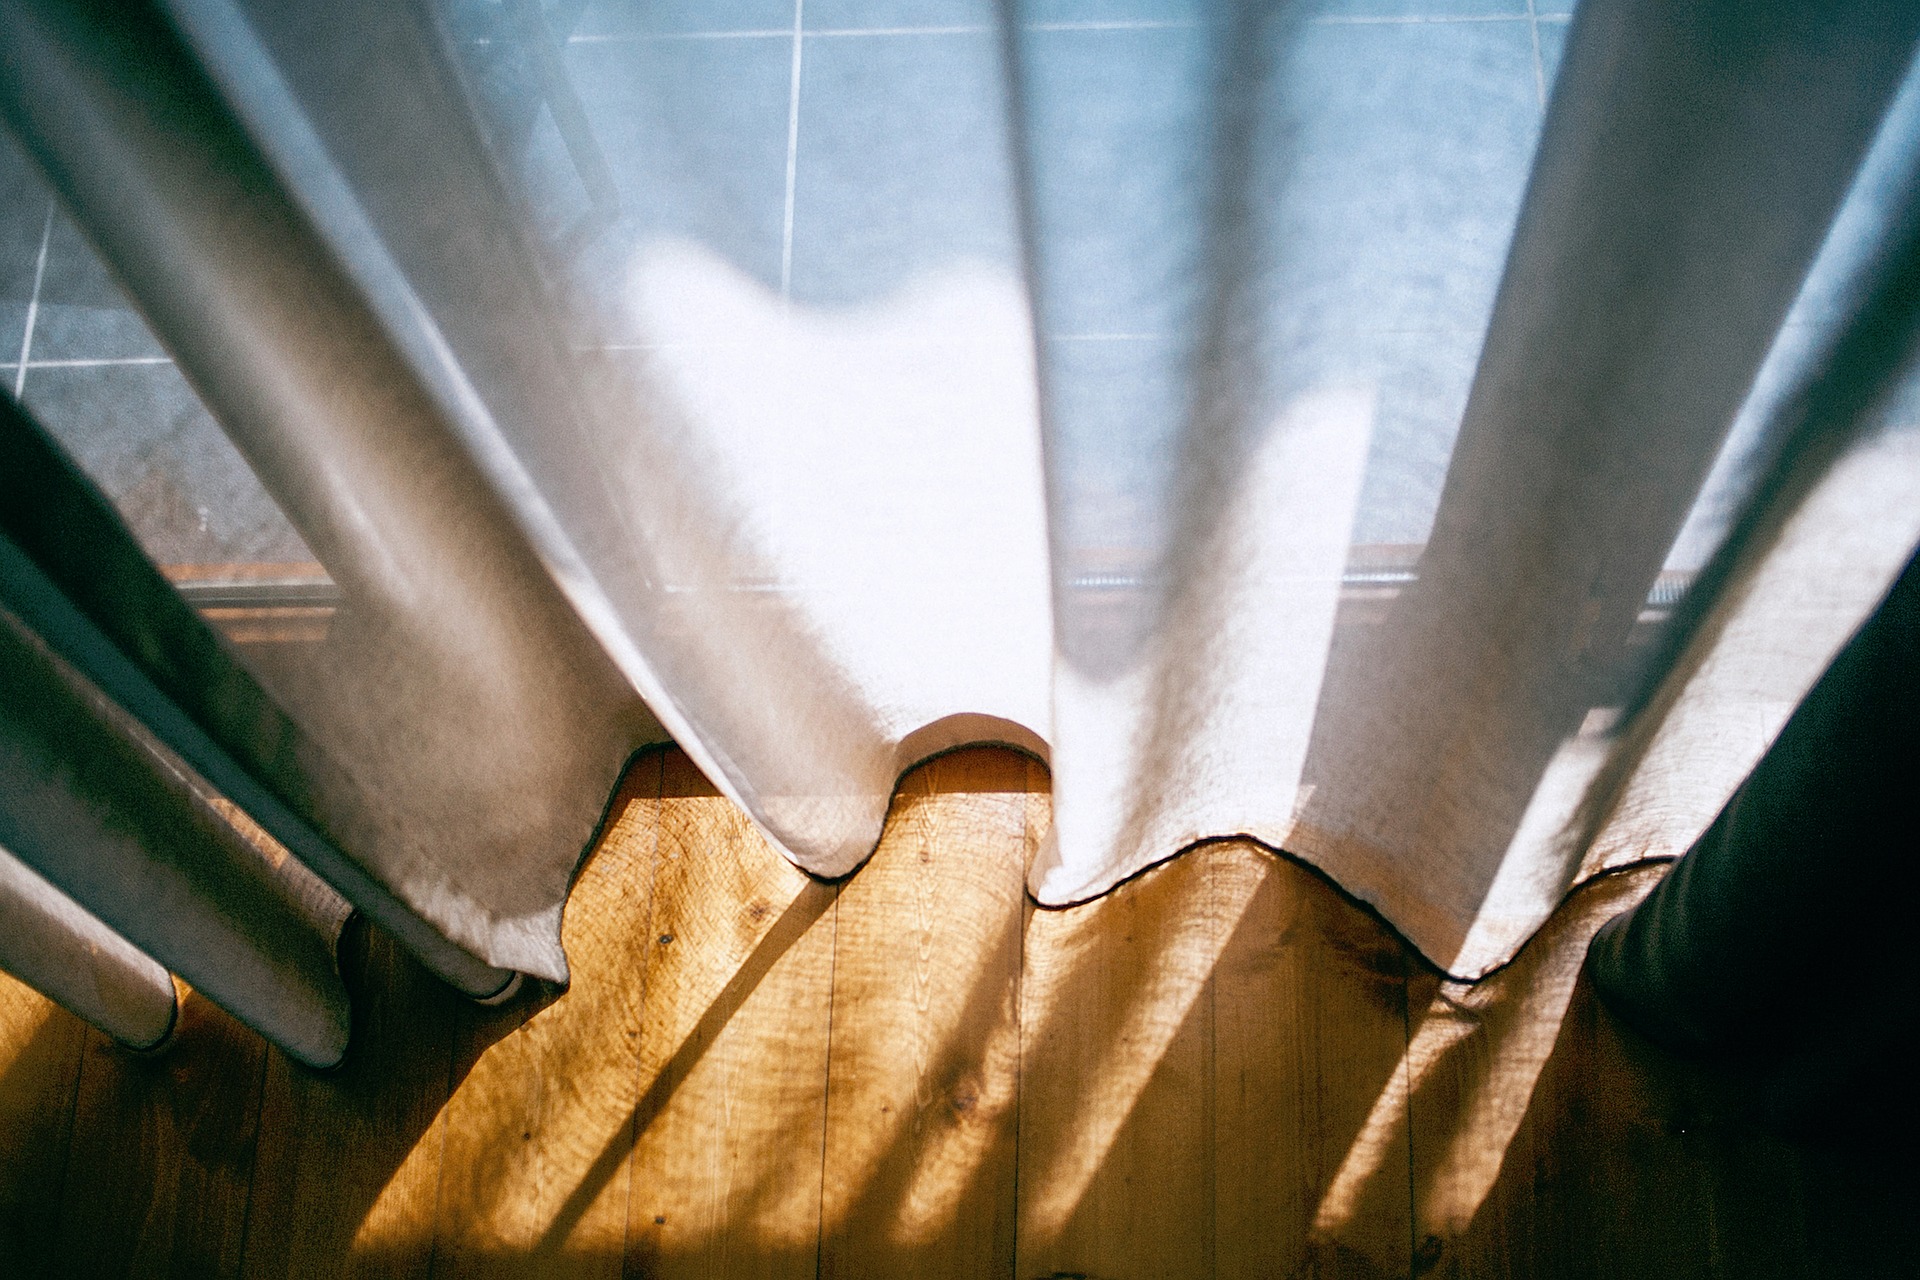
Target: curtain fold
{"type": "Point", "coordinates": [97, 806]}
{"type": "Point", "coordinates": [57, 947]}
{"type": "Point", "coordinates": [1685, 180]}
{"type": "Point", "coordinates": [460, 730]}
{"type": "Point", "coordinates": [1442, 450]}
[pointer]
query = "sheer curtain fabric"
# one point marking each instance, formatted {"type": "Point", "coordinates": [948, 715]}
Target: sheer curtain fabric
{"type": "Point", "coordinates": [1443, 446]}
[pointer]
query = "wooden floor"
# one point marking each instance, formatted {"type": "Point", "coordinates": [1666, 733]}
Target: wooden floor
{"type": "Point", "coordinates": [1223, 1068]}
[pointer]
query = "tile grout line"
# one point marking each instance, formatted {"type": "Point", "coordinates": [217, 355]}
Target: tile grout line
{"type": "Point", "coordinates": [837, 32]}
{"type": "Point", "coordinates": [1539, 68]}
{"type": "Point", "coordinates": [97, 362]}
{"type": "Point", "coordinates": [793, 151]}
{"type": "Point", "coordinates": [1412, 20]}
{"type": "Point", "coordinates": [774, 33]}
{"type": "Point", "coordinates": [33, 304]}
{"type": "Point", "coordinates": [647, 37]}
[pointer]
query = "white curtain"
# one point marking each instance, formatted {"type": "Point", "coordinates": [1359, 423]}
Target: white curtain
{"type": "Point", "coordinates": [1403, 433]}
{"type": "Point", "coordinates": [1190, 320]}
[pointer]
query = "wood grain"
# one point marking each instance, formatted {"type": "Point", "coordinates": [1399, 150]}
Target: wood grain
{"type": "Point", "coordinates": [160, 1162]}
{"type": "Point", "coordinates": [524, 1188]}
{"type": "Point", "coordinates": [1309, 1035]}
{"type": "Point", "coordinates": [924, 1069]}
{"type": "Point", "coordinates": [1116, 1085]}
{"type": "Point", "coordinates": [40, 1051]}
{"type": "Point", "coordinates": [337, 1187]}
{"type": "Point", "coordinates": [1468, 1114]}
{"type": "Point", "coordinates": [1554, 1142]}
{"type": "Point", "coordinates": [1223, 1068]}
{"type": "Point", "coordinates": [733, 1054]}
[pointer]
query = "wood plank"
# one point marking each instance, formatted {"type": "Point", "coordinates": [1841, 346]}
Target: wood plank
{"type": "Point", "coordinates": [1309, 1039]}
{"type": "Point", "coordinates": [40, 1050]}
{"type": "Point", "coordinates": [1628, 1161]}
{"type": "Point", "coordinates": [923, 1076]}
{"type": "Point", "coordinates": [162, 1151]}
{"type": "Point", "coordinates": [729, 1130]}
{"type": "Point", "coordinates": [533, 1175]}
{"type": "Point", "coordinates": [1481, 1114]}
{"type": "Point", "coordinates": [1210, 1071]}
{"type": "Point", "coordinates": [1117, 1080]}
{"type": "Point", "coordinates": [348, 1167]}
{"type": "Point", "coordinates": [1859, 1212]}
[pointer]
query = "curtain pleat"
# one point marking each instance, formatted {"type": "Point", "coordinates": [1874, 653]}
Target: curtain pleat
{"type": "Point", "coordinates": [98, 807]}
{"type": "Point", "coordinates": [56, 946]}
{"type": "Point", "coordinates": [1832, 518]}
{"type": "Point", "coordinates": [1685, 179]}
{"type": "Point", "coordinates": [461, 731]}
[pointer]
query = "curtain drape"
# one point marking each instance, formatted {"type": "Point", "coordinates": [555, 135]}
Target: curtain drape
{"type": "Point", "coordinates": [1440, 442]}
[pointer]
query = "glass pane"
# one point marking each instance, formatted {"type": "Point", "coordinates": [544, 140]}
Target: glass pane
{"type": "Point", "coordinates": [94, 376]}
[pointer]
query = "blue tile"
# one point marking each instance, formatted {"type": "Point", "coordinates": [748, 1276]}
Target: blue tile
{"type": "Point", "coordinates": [1432, 10]}
{"type": "Point", "coordinates": [1118, 133]}
{"type": "Point", "coordinates": [83, 313]}
{"type": "Point", "coordinates": [677, 17]}
{"type": "Point", "coordinates": [1068, 13]}
{"type": "Point", "coordinates": [13, 324]}
{"type": "Point", "coordinates": [182, 488]}
{"type": "Point", "coordinates": [1420, 381]}
{"type": "Point", "coordinates": [1393, 163]}
{"type": "Point", "coordinates": [1115, 410]}
{"type": "Point", "coordinates": [695, 134]}
{"type": "Point", "coordinates": [23, 214]}
{"type": "Point", "coordinates": [1553, 43]}
{"type": "Point", "coordinates": [863, 15]}
{"type": "Point", "coordinates": [903, 164]}
{"type": "Point", "coordinates": [1380, 185]}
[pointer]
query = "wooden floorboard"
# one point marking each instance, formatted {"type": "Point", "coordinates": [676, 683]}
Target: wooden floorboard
{"type": "Point", "coordinates": [533, 1168]}
{"type": "Point", "coordinates": [1224, 1068]}
{"type": "Point", "coordinates": [1309, 999]}
{"type": "Point", "coordinates": [160, 1158]}
{"type": "Point", "coordinates": [338, 1189]}
{"type": "Point", "coordinates": [924, 1067]}
{"type": "Point", "coordinates": [40, 1052]}
{"type": "Point", "coordinates": [1116, 1081]}
{"type": "Point", "coordinates": [730, 1123]}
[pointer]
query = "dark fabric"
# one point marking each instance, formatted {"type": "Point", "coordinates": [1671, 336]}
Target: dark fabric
{"type": "Point", "coordinates": [1782, 938]}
